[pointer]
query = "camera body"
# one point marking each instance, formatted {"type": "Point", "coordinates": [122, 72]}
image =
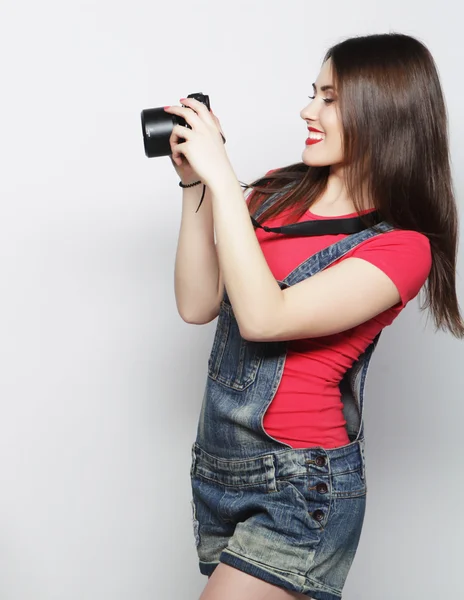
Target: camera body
{"type": "Point", "coordinates": [157, 126]}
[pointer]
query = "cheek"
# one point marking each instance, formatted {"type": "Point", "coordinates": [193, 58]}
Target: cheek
{"type": "Point", "coordinates": [332, 125]}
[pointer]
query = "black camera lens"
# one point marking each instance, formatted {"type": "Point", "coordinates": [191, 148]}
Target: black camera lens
{"type": "Point", "coordinates": [157, 126]}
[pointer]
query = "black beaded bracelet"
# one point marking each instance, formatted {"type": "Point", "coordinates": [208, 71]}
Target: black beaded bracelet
{"type": "Point", "coordinates": [183, 185]}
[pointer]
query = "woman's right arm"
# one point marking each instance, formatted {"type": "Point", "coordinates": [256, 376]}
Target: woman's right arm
{"type": "Point", "coordinates": [197, 279]}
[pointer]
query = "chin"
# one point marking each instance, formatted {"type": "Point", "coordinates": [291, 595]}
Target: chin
{"type": "Point", "coordinates": [313, 162]}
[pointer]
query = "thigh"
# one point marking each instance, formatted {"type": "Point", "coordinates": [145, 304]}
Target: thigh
{"type": "Point", "coordinates": [229, 583]}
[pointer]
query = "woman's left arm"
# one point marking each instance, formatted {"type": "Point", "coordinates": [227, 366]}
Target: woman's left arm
{"type": "Point", "coordinates": [253, 290]}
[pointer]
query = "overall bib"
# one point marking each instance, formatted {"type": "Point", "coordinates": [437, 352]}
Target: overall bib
{"type": "Point", "coordinates": [290, 516]}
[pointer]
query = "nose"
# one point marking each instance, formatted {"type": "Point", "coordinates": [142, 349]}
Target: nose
{"type": "Point", "coordinates": [310, 112]}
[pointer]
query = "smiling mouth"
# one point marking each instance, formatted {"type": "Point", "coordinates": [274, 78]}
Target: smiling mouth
{"type": "Point", "coordinates": [314, 136]}
{"type": "Point", "coordinates": [313, 140]}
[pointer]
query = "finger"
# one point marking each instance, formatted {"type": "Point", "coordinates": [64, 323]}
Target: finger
{"type": "Point", "coordinates": [180, 132]}
{"type": "Point", "coordinates": [188, 114]}
{"type": "Point", "coordinates": [196, 105]}
{"type": "Point", "coordinates": [178, 151]}
{"type": "Point", "coordinates": [201, 109]}
{"type": "Point", "coordinates": [176, 158]}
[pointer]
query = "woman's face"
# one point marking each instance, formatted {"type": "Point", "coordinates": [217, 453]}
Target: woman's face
{"type": "Point", "coordinates": [324, 147]}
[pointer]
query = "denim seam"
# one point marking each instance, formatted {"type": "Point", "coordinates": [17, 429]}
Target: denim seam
{"type": "Point", "coordinates": [348, 495]}
{"type": "Point", "coordinates": [232, 485]}
{"type": "Point", "coordinates": [313, 582]}
{"type": "Point", "coordinates": [228, 461]}
{"type": "Point", "coordinates": [264, 566]}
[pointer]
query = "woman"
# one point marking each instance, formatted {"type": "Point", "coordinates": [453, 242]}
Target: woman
{"type": "Point", "coordinates": [278, 467]}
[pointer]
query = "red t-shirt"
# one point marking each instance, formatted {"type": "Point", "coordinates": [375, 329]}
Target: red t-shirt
{"type": "Point", "coordinates": [307, 409]}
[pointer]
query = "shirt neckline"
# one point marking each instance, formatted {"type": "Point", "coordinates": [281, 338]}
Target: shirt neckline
{"type": "Point", "coordinates": [345, 216]}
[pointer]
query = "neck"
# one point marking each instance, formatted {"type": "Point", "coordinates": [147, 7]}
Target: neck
{"type": "Point", "coordinates": [336, 193]}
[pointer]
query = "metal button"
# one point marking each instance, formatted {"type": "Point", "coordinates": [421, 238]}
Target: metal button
{"type": "Point", "coordinates": [318, 514]}
{"type": "Point", "coordinates": [320, 461]}
{"type": "Point", "coordinates": [322, 488]}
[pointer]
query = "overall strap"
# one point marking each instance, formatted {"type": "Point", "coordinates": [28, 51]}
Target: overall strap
{"type": "Point", "coordinates": [327, 256]}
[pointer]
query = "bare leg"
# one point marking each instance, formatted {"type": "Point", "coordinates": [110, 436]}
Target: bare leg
{"type": "Point", "coordinates": [228, 583]}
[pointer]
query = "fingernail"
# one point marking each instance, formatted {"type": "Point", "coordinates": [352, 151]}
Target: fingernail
{"type": "Point", "coordinates": [166, 107]}
{"type": "Point", "coordinates": [182, 99]}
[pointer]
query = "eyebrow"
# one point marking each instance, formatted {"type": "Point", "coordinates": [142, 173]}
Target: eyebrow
{"type": "Point", "coordinates": [324, 88]}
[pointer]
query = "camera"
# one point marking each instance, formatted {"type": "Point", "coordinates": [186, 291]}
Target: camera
{"type": "Point", "coordinates": [157, 126]}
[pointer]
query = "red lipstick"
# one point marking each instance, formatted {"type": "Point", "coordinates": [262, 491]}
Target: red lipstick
{"type": "Point", "coordinates": [311, 141]}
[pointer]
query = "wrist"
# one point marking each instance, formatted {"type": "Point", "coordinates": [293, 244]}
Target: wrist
{"type": "Point", "coordinates": [189, 183]}
{"type": "Point", "coordinates": [224, 184]}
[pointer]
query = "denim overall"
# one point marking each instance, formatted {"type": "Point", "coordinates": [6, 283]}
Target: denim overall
{"type": "Point", "coordinates": [237, 466]}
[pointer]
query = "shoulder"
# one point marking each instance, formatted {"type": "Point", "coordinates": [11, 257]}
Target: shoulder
{"type": "Point", "coordinates": [404, 255]}
{"type": "Point", "coordinates": [397, 246]}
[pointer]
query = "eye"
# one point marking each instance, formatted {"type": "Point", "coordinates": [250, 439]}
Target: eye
{"type": "Point", "coordinates": [326, 100]}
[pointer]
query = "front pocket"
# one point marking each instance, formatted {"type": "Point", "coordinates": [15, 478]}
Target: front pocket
{"type": "Point", "coordinates": [233, 362]}
{"type": "Point", "coordinates": [349, 484]}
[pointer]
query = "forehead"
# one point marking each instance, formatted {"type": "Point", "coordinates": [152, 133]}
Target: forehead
{"type": "Point", "coordinates": [325, 74]}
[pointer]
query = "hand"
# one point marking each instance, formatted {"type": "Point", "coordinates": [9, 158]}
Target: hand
{"type": "Point", "coordinates": [202, 153]}
{"type": "Point", "coordinates": [183, 169]}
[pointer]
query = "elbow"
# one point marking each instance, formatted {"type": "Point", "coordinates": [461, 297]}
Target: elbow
{"type": "Point", "coordinates": [265, 333]}
{"type": "Point", "coordinates": [255, 329]}
{"type": "Point", "coordinates": [252, 334]}
{"type": "Point", "coordinates": [190, 320]}
{"type": "Point", "coordinates": [198, 321]}
{"type": "Point", "coordinates": [195, 320]}
{"type": "Point", "coordinates": [199, 318]}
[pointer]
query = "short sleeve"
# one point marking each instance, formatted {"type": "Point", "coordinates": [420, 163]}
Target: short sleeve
{"type": "Point", "coordinates": [405, 256]}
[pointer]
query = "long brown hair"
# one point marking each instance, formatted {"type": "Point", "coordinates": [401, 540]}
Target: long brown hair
{"type": "Point", "coordinates": [395, 132]}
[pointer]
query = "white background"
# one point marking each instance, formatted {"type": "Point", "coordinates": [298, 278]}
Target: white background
{"type": "Point", "coordinates": [101, 380]}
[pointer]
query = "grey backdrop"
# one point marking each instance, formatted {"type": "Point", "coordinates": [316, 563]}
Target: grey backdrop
{"type": "Point", "coordinates": [101, 380]}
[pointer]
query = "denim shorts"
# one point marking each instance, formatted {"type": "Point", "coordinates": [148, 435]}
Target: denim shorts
{"type": "Point", "coordinates": [292, 517]}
